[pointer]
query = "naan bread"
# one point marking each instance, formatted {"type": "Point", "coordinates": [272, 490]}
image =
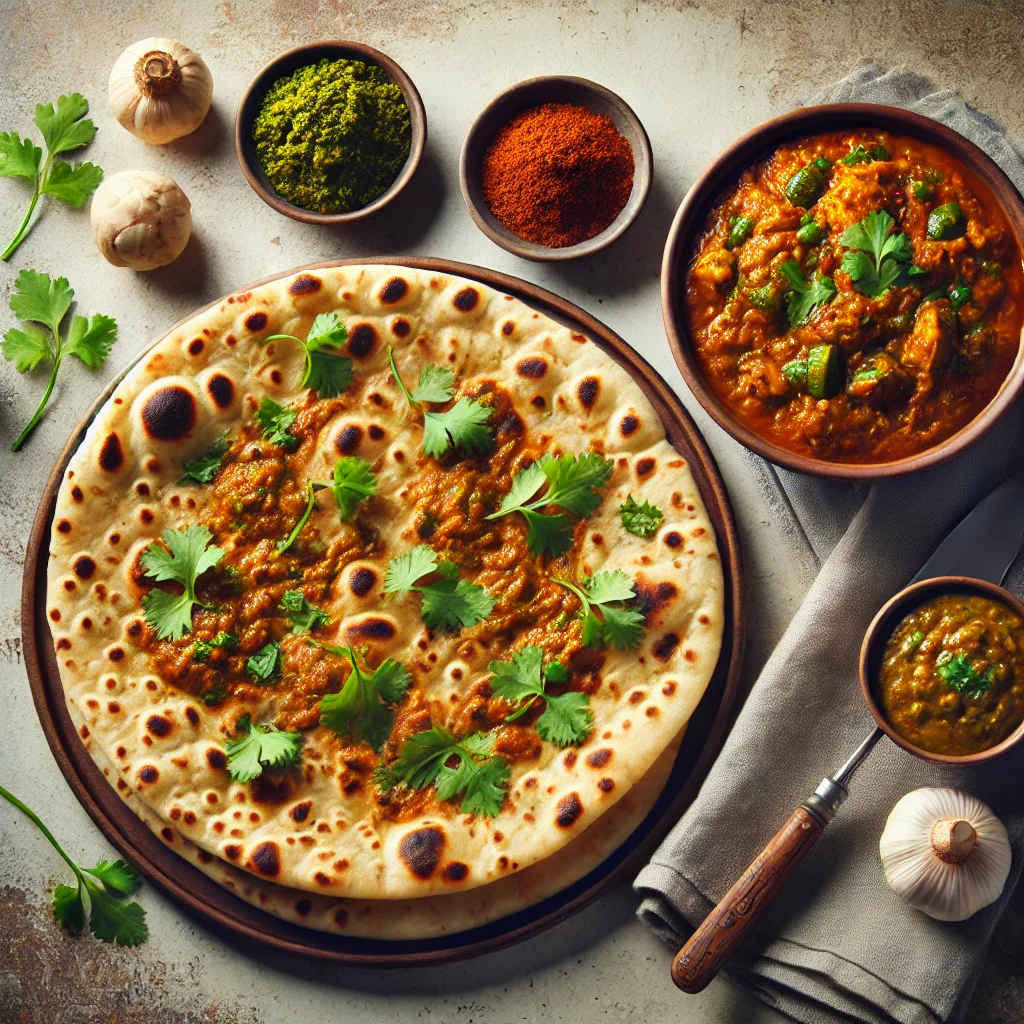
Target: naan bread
{"type": "Point", "coordinates": [430, 916]}
{"type": "Point", "coordinates": [323, 827]}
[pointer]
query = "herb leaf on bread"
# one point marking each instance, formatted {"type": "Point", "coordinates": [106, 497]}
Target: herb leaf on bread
{"type": "Point", "coordinates": [187, 556]}
{"type": "Point", "coordinates": [449, 602]}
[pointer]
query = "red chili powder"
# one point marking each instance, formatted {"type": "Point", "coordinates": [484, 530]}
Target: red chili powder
{"type": "Point", "coordinates": [558, 174]}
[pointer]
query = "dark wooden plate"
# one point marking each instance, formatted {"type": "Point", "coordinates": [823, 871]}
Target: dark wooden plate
{"type": "Point", "coordinates": [219, 908]}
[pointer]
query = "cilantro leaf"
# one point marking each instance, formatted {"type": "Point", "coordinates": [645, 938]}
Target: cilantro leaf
{"type": "Point", "coordinates": [19, 158]}
{"type": "Point", "coordinates": [265, 664]}
{"type": "Point", "coordinates": [202, 649]}
{"type": "Point", "coordinates": [959, 674]}
{"type": "Point", "coordinates": [306, 618]}
{"type": "Point", "coordinates": [186, 560]}
{"type": "Point", "coordinates": [327, 373]}
{"type": "Point", "coordinates": [283, 545]}
{"type": "Point", "coordinates": [572, 484]}
{"type": "Point", "coordinates": [805, 297]}
{"type": "Point", "coordinates": [449, 603]}
{"type": "Point", "coordinates": [27, 348]}
{"type": "Point", "coordinates": [64, 128]}
{"type": "Point", "coordinates": [640, 520]}
{"type": "Point", "coordinates": [617, 626]}
{"type": "Point", "coordinates": [353, 483]}
{"type": "Point", "coordinates": [478, 774]}
{"type": "Point", "coordinates": [204, 469]}
{"type": "Point", "coordinates": [37, 299]}
{"type": "Point", "coordinates": [261, 746]}
{"type": "Point", "coordinates": [361, 705]}
{"type": "Point", "coordinates": [106, 885]}
{"type": "Point", "coordinates": [91, 342]}
{"type": "Point", "coordinates": [72, 184]}
{"type": "Point", "coordinates": [274, 421]}
{"type": "Point", "coordinates": [463, 426]}
{"type": "Point", "coordinates": [567, 718]}
{"type": "Point", "coordinates": [436, 384]}
{"type": "Point", "coordinates": [880, 260]}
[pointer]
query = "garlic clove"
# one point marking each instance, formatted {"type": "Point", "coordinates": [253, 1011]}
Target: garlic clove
{"type": "Point", "coordinates": [945, 853]}
{"type": "Point", "coordinates": [160, 90]}
{"type": "Point", "coordinates": [140, 219]}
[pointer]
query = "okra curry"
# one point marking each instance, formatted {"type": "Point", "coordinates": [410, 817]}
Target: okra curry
{"type": "Point", "coordinates": [857, 297]}
{"type": "Point", "coordinates": [952, 675]}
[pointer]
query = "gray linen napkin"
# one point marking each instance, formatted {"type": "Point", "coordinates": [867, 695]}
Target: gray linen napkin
{"type": "Point", "coordinates": [837, 944]}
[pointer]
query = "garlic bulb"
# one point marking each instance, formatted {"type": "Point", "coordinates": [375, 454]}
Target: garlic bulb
{"type": "Point", "coordinates": [140, 219]}
{"type": "Point", "coordinates": [944, 852]}
{"type": "Point", "coordinates": [160, 90]}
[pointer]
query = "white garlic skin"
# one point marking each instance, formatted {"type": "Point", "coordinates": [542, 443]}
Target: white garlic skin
{"type": "Point", "coordinates": [169, 100]}
{"type": "Point", "coordinates": [140, 219]}
{"type": "Point", "coordinates": [915, 872]}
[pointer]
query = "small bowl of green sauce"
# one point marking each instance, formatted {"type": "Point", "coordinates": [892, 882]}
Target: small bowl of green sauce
{"type": "Point", "coordinates": [330, 132]}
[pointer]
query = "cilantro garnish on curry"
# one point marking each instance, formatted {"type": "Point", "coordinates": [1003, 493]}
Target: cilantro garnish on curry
{"type": "Point", "coordinates": [952, 675]}
{"type": "Point", "coordinates": [857, 297]}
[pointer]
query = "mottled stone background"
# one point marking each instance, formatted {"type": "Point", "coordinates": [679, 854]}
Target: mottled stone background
{"type": "Point", "coordinates": [698, 72]}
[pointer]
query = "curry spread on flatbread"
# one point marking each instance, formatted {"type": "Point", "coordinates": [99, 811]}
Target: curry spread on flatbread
{"type": "Point", "coordinates": [377, 583]}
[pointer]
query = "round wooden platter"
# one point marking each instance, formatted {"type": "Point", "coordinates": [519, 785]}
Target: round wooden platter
{"type": "Point", "coordinates": [217, 907]}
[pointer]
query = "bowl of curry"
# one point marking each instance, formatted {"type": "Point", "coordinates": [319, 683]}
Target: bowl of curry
{"type": "Point", "coordinates": [843, 291]}
{"type": "Point", "coordinates": [942, 668]}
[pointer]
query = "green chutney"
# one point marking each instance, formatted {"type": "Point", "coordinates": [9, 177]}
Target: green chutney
{"type": "Point", "coordinates": [332, 137]}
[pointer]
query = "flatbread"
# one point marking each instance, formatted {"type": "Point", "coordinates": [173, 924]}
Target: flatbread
{"type": "Point", "coordinates": [324, 828]}
{"type": "Point", "coordinates": [430, 916]}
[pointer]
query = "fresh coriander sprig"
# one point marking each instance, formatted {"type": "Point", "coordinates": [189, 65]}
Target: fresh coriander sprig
{"type": "Point", "coordinates": [64, 129]}
{"type": "Point", "coordinates": [39, 300]}
{"type": "Point", "coordinates": [572, 484]}
{"type": "Point", "coordinates": [353, 484]}
{"type": "Point", "coordinates": [881, 260]}
{"type": "Point", "coordinates": [327, 373]}
{"type": "Point", "coordinates": [362, 705]}
{"type": "Point", "coordinates": [479, 775]}
{"type": "Point", "coordinates": [805, 297]}
{"type": "Point", "coordinates": [275, 421]}
{"type": "Point", "coordinates": [450, 603]}
{"type": "Point", "coordinates": [261, 746]}
{"type": "Point", "coordinates": [283, 545]}
{"type": "Point", "coordinates": [463, 426]}
{"type": "Point", "coordinates": [204, 469]}
{"type": "Point", "coordinates": [618, 626]}
{"type": "Point", "coordinates": [106, 885]}
{"type": "Point", "coordinates": [959, 674]}
{"type": "Point", "coordinates": [641, 520]}
{"type": "Point", "coordinates": [306, 617]}
{"type": "Point", "coordinates": [265, 665]}
{"type": "Point", "coordinates": [567, 718]}
{"type": "Point", "coordinates": [188, 557]}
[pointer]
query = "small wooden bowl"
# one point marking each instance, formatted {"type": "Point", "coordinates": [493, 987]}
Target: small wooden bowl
{"type": "Point", "coordinates": [302, 56]}
{"type": "Point", "coordinates": [524, 96]}
{"type": "Point", "coordinates": [881, 629]}
{"type": "Point", "coordinates": [724, 172]}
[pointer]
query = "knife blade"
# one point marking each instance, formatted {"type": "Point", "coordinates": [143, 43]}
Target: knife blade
{"type": "Point", "coordinates": [986, 541]}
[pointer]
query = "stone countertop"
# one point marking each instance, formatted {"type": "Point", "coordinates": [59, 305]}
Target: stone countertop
{"type": "Point", "coordinates": [698, 73]}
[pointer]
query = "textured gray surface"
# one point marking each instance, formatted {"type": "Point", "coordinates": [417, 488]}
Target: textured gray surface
{"type": "Point", "coordinates": [698, 74]}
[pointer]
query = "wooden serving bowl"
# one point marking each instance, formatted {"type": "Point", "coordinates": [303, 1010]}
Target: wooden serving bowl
{"type": "Point", "coordinates": [285, 64]}
{"type": "Point", "coordinates": [524, 96]}
{"type": "Point", "coordinates": [881, 629]}
{"type": "Point", "coordinates": [724, 172]}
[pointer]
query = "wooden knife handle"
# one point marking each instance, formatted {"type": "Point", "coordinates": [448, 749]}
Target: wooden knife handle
{"type": "Point", "coordinates": [722, 931]}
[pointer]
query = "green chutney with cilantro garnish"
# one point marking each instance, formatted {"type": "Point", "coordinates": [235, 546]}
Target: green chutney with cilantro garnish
{"type": "Point", "coordinates": [952, 675]}
{"type": "Point", "coordinates": [333, 136]}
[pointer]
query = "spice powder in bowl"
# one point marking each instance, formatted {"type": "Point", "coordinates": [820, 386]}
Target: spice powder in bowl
{"type": "Point", "coordinates": [332, 137]}
{"type": "Point", "coordinates": [558, 174]}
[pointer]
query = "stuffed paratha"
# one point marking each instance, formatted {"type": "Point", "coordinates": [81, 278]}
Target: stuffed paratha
{"type": "Point", "coordinates": [432, 672]}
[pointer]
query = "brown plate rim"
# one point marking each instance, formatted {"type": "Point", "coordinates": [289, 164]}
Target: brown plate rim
{"type": "Point", "coordinates": [340, 48]}
{"type": "Point", "coordinates": [877, 636]}
{"type": "Point", "coordinates": [722, 172]}
{"type": "Point", "coordinates": [214, 905]}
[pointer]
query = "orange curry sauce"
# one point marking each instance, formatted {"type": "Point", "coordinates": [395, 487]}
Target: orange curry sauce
{"type": "Point", "coordinates": [909, 366]}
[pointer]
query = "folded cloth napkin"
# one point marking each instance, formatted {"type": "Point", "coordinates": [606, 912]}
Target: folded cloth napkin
{"type": "Point", "coordinates": [837, 944]}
